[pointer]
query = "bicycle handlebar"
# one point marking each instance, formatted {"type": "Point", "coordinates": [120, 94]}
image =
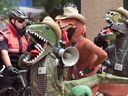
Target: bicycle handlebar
{"type": "Point", "coordinates": [19, 76]}
{"type": "Point", "coordinates": [1, 71]}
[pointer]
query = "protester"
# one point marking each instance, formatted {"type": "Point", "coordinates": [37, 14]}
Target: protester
{"type": "Point", "coordinates": [73, 29]}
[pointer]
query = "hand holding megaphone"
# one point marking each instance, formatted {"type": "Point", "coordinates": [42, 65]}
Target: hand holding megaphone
{"type": "Point", "coordinates": [69, 56]}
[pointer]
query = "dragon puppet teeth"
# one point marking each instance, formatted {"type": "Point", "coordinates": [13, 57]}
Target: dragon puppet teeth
{"type": "Point", "coordinates": [44, 40]}
{"type": "Point", "coordinates": [39, 47]}
{"type": "Point", "coordinates": [26, 58]}
{"type": "Point", "coordinates": [34, 59]}
{"type": "Point", "coordinates": [40, 37]}
{"type": "Point", "coordinates": [111, 21]}
{"type": "Point", "coordinates": [31, 32]}
{"type": "Point", "coordinates": [37, 35]}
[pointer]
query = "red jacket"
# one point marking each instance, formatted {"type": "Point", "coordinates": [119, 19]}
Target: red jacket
{"type": "Point", "coordinates": [12, 39]}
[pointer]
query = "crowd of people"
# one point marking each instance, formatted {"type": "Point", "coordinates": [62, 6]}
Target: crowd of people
{"type": "Point", "coordinates": [14, 41]}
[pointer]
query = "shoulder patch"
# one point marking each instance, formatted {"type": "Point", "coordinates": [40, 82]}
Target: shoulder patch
{"type": "Point", "coordinates": [5, 30]}
{"type": "Point", "coordinates": [1, 37]}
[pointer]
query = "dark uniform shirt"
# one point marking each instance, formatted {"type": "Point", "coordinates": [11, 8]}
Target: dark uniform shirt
{"type": "Point", "coordinates": [13, 56]}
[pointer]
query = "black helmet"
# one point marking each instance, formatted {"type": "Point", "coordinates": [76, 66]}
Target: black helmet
{"type": "Point", "coordinates": [17, 14]}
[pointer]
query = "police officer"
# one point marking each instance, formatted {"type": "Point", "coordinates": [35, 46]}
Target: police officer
{"type": "Point", "coordinates": [13, 43]}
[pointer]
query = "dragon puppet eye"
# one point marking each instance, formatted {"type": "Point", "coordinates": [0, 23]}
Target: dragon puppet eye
{"type": "Point", "coordinates": [108, 13]}
{"type": "Point", "coordinates": [111, 13]}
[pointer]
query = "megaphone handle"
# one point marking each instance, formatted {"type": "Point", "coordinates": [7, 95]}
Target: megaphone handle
{"type": "Point", "coordinates": [75, 72]}
{"type": "Point", "coordinates": [85, 71]}
{"type": "Point", "coordinates": [60, 69]}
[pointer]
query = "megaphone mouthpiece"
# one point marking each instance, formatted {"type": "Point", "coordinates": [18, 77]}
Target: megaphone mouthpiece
{"type": "Point", "coordinates": [67, 55]}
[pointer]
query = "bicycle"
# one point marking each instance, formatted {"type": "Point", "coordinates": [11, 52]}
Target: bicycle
{"type": "Point", "coordinates": [11, 91]}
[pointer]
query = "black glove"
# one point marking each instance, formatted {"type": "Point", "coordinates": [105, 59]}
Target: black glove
{"type": "Point", "coordinates": [12, 71]}
{"type": "Point", "coordinates": [107, 64]}
{"type": "Point", "coordinates": [85, 71]}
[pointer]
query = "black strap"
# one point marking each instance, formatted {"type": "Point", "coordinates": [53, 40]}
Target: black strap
{"type": "Point", "coordinates": [27, 37]}
{"type": "Point", "coordinates": [20, 44]}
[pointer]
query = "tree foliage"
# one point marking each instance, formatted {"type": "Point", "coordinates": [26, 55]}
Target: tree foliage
{"type": "Point", "coordinates": [6, 6]}
{"type": "Point", "coordinates": [52, 7]}
{"type": "Point", "coordinates": [1, 5]}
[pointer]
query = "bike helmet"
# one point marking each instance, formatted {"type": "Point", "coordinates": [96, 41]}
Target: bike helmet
{"type": "Point", "coordinates": [17, 14]}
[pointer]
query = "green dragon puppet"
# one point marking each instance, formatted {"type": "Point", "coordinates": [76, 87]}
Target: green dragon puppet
{"type": "Point", "coordinates": [118, 51]}
{"type": "Point", "coordinates": [43, 64]}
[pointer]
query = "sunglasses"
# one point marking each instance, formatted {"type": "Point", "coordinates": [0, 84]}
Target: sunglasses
{"type": "Point", "coordinates": [21, 20]}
